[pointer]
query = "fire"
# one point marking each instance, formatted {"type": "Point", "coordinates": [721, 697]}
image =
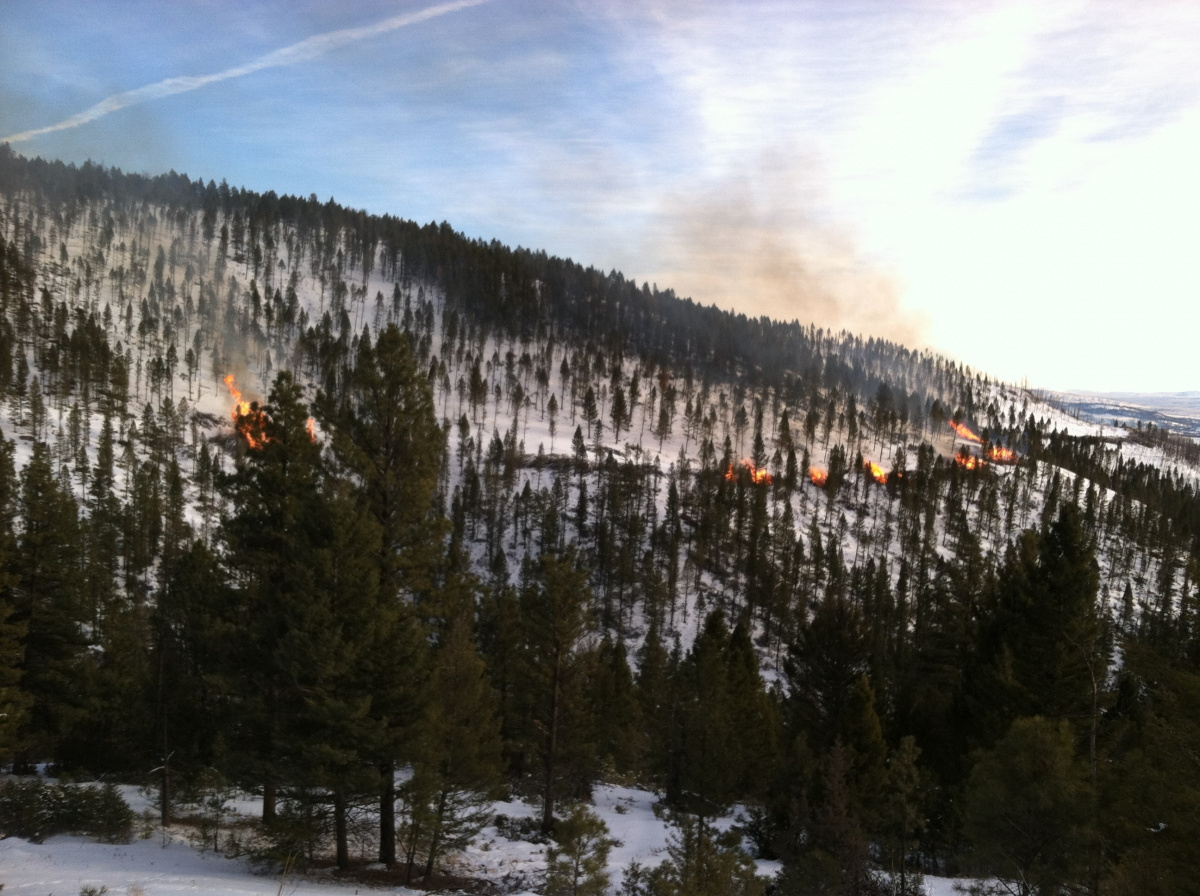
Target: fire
{"type": "Point", "coordinates": [249, 420]}
{"type": "Point", "coordinates": [818, 476]}
{"type": "Point", "coordinates": [876, 471]}
{"type": "Point", "coordinates": [969, 461]}
{"type": "Point", "coordinates": [999, 455]}
{"type": "Point", "coordinates": [965, 432]}
{"type": "Point", "coordinates": [240, 407]}
{"type": "Point", "coordinates": [759, 477]}
{"type": "Point", "coordinates": [246, 419]}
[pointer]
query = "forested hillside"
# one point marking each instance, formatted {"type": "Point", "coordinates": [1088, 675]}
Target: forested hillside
{"type": "Point", "coordinates": [352, 512]}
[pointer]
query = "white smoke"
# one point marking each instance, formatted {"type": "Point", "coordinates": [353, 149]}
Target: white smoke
{"type": "Point", "coordinates": [301, 51]}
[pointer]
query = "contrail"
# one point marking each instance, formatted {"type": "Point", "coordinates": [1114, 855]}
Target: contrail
{"type": "Point", "coordinates": [302, 51]}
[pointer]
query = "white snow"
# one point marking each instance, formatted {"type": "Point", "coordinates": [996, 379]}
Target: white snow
{"type": "Point", "coordinates": [164, 865]}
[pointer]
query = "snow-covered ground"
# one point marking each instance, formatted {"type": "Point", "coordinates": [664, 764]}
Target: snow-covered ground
{"type": "Point", "coordinates": [859, 521]}
{"type": "Point", "coordinates": [155, 865]}
{"type": "Point", "coordinates": [66, 865]}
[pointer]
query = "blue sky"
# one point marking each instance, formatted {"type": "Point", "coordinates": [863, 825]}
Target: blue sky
{"type": "Point", "coordinates": [1012, 184]}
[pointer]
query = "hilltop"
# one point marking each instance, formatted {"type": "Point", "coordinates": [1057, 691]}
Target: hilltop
{"type": "Point", "coordinates": [887, 559]}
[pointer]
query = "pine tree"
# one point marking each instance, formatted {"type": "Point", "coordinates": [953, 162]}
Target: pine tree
{"type": "Point", "coordinates": [14, 702]}
{"type": "Point", "coordinates": [1150, 780]}
{"type": "Point", "coordinates": [303, 611]}
{"type": "Point", "coordinates": [1042, 648]}
{"type": "Point", "coordinates": [701, 862]}
{"type": "Point", "coordinates": [901, 817]}
{"type": "Point", "coordinates": [824, 664]}
{"type": "Point", "coordinates": [577, 862]}
{"type": "Point", "coordinates": [1027, 809]}
{"type": "Point", "coordinates": [193, 625]}
{"type": "Point", "coordinates": [457, 763]}
{"type": "Point", "coordinates": [614, 707]}
{"type": "Point", "coordinates": [835, 848]}
{"type": "Point", "coordinates": [556, 613]}
{"type": "Point", "coordinates": [47, 602]}
{"type": "Point", "coordinates": [753, 715]}
{"type": "Point", "coordinates": [386, 437]}
{"type": "Point", "coordinates": [724, 739]}
{"type": "Point", "coordinates": [655, 700]}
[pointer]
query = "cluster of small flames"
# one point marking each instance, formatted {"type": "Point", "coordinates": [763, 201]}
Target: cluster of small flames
{"type": "Point", "coordinates": [995, 453]}
{"type": "Point", "coordinates": [757, 476]}
{"type": "Point", "coordinates": [250, 420]}
{"type": "Point", "coordinates": [820, 476]}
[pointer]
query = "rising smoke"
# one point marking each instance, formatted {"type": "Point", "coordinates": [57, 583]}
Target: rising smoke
{"type": "Point", "coordinates": [748, 243]}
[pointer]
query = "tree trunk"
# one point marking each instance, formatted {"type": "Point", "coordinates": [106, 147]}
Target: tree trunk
{"type": "Point", "coordinates": [268, 814]}
{"type": "Point", "coordinates": [411, 851]}
{"type": "Point", "coordinates": [551, 752]}
{"type": "Point", "coordinates": [435, 836]}
{"type": "Point", "coordinates": [165, 804]}
{"type": "Point", "coordinates": [387, 815]}
{"type": "Point", "coordinates": [339, 826]}
{"type": "Point", "coordinates": [165, 807]}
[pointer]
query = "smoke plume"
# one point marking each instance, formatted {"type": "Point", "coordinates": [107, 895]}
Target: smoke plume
{"type": "Point", "coordinates": [748, 243]}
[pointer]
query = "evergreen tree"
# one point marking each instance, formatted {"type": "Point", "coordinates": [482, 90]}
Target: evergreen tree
{"type": "Point", "coordinates": [556, 613]}
{"type": "Point", "coordinates": [1027, 809]}
{"type": "Point", "coordinates": [901, 817]}
{"type": "Point", "coordinates": [386, 437]}
{"type": "Point", "coordinates": [303, 613]}
{"type": "Point", "coordinates": [577, 862]}
{"type": "Point", "coordinates": [824, 665]}
{"type": "Point", "coordinates": [14, 702]}
{"type": "Point", "coordinates": [701, 862]}
{"type": "Point", "coordinates": [614, 707]}
{"type": "Point", "coordinates": [46, 601]}
{"type": "Point", "coordinates": [753, 715]}
{"type": "Point", "coordinates": [193, 625]}
{"type": "Point", "coordinates": [1150, 781]}
{"type": "Point", "coordinates": [834, 851]}
{"type": "Point", "coordinates": [457, 763]}
{"type": "Point", "coordinates": [1043, 649]}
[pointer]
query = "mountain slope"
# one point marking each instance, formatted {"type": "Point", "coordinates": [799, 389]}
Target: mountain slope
{"type": "Point", "coordinates": [676, 450]}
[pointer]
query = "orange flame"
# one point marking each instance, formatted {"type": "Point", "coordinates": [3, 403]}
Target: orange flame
{"type": "Point", "coordinates": [876, 471]}
{"type": "Point", "coordinates": [969, 461]}
{"type": "Point", "coordinates": [965, 431]}
{"type": "Point", "coordinates": [818, 476]}
{"type": "Point", "coordinates": [240, 408]}
{"type": "Point", "coordinates": [759, 477]}
{"type": "Point", "coordinates": [311, 426]}
{"type": "Point", "coordinates": [246, 419]}
{"type": "Point", "coordinates": [999, 455]}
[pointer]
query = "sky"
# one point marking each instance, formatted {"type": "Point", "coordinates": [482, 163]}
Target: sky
{"type": "Point", "coordinates": [1011, 184]}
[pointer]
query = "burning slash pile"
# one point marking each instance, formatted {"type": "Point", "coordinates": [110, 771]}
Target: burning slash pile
{"type": "Point", "coordinates": [876, 471]}
{"type": "Point", "coordinates": [250, 420]}
{"type": "Point", "coordinates": [995, 453]}
{"type": "Point", "coordinates": [757, 476]}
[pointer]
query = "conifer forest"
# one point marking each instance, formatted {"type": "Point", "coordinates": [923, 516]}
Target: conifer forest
{"type": "Point", "coordinates": [381, 524]}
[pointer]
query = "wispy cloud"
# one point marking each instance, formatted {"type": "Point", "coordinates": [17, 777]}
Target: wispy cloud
{"type": "Point", "coordinates": [301, 51]}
